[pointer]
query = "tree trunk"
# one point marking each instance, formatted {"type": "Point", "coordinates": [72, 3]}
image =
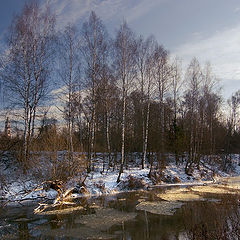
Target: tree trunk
{"type": "Point", "coordinates": [108, 139]}
{"type": "Point", "coordinates": [146, 135]}
{"type": "Point", "coordinates": [123, 137]}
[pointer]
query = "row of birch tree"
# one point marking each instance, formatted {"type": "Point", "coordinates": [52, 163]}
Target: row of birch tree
{"type": "Point", "coordinates": [114, 94]}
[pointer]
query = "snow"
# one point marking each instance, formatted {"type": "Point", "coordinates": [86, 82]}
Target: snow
{"type": "Point", "coordinates": [18, 187]}
{"type": "Point", "coordinates": [109, 180]}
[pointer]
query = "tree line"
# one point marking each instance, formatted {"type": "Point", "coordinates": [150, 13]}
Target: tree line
{"type": "Point", "coordinates": [118, 94]}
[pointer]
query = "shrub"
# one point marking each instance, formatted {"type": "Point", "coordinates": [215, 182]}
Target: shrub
{"type": "Point", "coordinates": [132, 183]}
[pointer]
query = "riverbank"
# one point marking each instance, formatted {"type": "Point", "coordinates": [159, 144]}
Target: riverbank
{"type": "Point", "coordinates": [19, 188]}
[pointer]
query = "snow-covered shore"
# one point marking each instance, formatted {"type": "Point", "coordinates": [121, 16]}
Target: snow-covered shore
{"type": "Point", "coordinates": [17, 188]}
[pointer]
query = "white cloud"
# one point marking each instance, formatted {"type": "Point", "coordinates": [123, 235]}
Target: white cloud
{"type": "Point", "coordinates": [71, 11]}
{"type": "Point", "coordinates": [237, 10]}
{"type": "Point", "coordinates": [142, 7]}
{"type": "Point", "coordinates": [222, 49]}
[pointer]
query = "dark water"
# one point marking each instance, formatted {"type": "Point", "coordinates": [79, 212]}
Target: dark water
{"type": "Point", "coordinates": [194, 220]}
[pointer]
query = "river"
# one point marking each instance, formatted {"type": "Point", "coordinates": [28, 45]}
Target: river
{"type": "Point", "coordinates": [194, 213]}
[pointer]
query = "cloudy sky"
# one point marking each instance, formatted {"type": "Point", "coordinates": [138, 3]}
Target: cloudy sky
{"type": "Point", "coordinates": [206, 29]}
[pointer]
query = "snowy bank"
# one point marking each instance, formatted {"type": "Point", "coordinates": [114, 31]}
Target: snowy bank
{"type": "Point", "coordinates": [19, 188]}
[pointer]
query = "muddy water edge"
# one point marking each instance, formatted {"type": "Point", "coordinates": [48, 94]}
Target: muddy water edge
{"type": "Point", "coordinates": [203, 212]}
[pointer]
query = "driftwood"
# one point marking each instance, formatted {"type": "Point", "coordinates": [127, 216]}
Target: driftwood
{"type": "Point", "coordinates": [64, 197]}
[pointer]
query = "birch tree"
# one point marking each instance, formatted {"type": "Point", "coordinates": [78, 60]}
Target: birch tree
{"type": "Point", "coordinates": [94, 51]}
{"type": "Point", "coordinates": [234, 103]}
{"type": "Point", "coordinates": [211, 105]}
{"type": "Point", "coordinates": [125, 67]}
{"type": "Point", "coordinates": [69, 73]}
{"type": "Point", "coordinates": [107, 93]}
{"type": "Point", "coordinates": [192, 101]}
{"type": "Point", "coordinates": [144, 60]}
{"type": "Point", "coordinates": [162, 77]}
{"type": "Point", "coordinates": [175, 91]}
{"type": "Point", "coordinates": [231, 141]}
{"type": "Point", "coordinates": [26, 67]}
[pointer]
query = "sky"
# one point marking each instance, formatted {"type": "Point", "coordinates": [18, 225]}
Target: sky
{"type": "Point", "coordinates": [206, 29]}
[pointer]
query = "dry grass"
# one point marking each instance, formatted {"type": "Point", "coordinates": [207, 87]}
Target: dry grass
{"type": "Point", "coordinates": [132, 183]}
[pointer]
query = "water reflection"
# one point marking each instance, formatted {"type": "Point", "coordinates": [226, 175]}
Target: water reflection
{"type": "Point", "coordinates": [116, 217]}
{"type": "Point", "coordinates": [215, 220]}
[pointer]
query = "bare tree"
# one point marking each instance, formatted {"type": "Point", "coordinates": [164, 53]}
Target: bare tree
{"type": "Point", "coordinates": [234, 103]}
{"type": "Point", "coordinates": [211, 104]}
{"type": "Point", "coordinates": [26, 67]}
{"type": "Point", "coordinates": [192, 101]}
{"type": "Point", "coordinates": [175, 90]}
{"type": "Point", "coordinates": [106, 93]}
{"type": "Point", "coordinates": [162, 78]}
{"type": "Point", "coordinates": [125, 66]}
{"type": "Point", "coordinates": [232, 127]}
{"type": "Point", "coordinates": [94, 51]}
{"type": "Point", "coordinates": [145, 49]}
{"type": "Point", "coordinates": [69, 73]}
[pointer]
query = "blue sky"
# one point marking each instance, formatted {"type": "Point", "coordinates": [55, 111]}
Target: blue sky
{"type": "Point", "coordinates": [207, 29]}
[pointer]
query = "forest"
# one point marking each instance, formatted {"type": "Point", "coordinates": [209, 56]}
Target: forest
{"type": "Point", "coordinates": [108, 135]}
{"type": "Point", "coordinates": [85, 92]}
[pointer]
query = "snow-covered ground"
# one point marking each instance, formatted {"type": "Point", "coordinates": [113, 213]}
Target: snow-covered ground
{"type": "Point", "coordinates": [20, 188]}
